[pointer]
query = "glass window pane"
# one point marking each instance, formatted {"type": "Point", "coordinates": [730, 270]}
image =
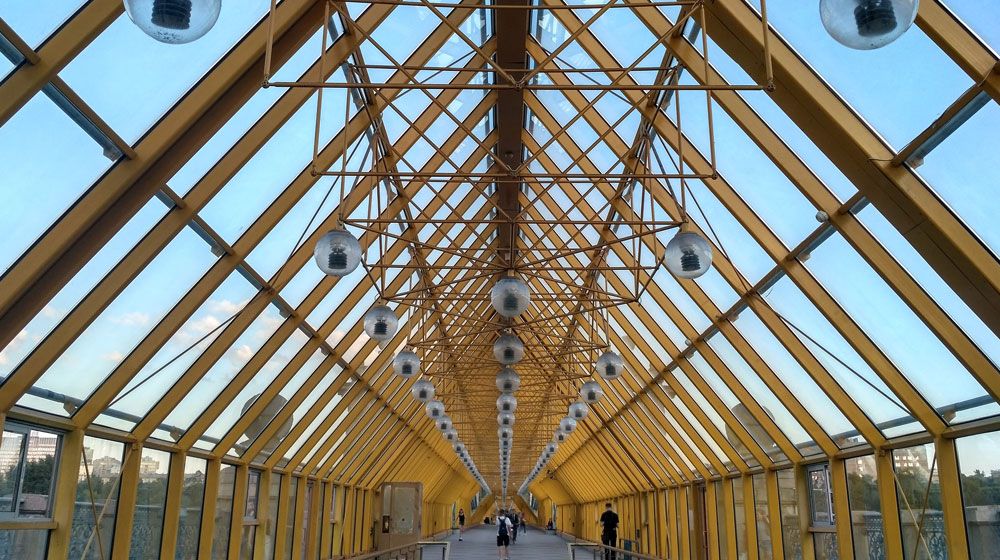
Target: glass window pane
{"type": "Point", "coordinates": [34, 24]}
{"type": "Point", "coordinates": [38, 187]}
{"type": "Point", "coordinates": [24, 545]}
{"type": "Point", "coordinates": [192, 503]}
{"type": "Point", "coordinates": [741, 518]}
{"type": "Point", "coordinates": [981, 16]}
{"type": "Point", "coordinates": [272, 516]}
{"type": "Point", "coordinates": [289, 521]}
{"type": "Point", "coordinates": [250, 514]}
{"type": "Point", "coordinates": [791, 528]}
{"type": "Point", "coordinates": [866, 508]}
{"type": "Point", "coordinates": [150, 501]}
{"type": "Point", "coordinates": [959, 171]}
{"type": "Point", "coordinates": [11, 451]}
{"type": "Point", "coordinates": [720, 510]}
{"type": "Point", "coordinates": [760, 503]}
{"type": "Point", "coordinates": [39, 474]}
{"type": "Point", "coordinates": [223, 512]}
{"type": "Point", "coordinates": [124, 65]}
{"type": "Point", "coordinates": [979, 464]}
{"type": "Point", "coordinates": [919, 501]}
{"type": "Point", "coordinates": [96, 499]}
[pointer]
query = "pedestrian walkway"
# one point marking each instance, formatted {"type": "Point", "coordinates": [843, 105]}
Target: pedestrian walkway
{"type": "Point", "coordinates": [481, 544]}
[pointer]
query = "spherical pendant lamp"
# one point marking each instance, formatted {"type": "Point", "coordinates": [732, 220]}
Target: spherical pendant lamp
{"type": "Point", "coordinates": [508, 349]}
{"type": "Point", "coordinates": [423, 390]}
{"type": "Point", "coordinates": [505, 419]}
{"type": "Point", "coordinates": [867, 24]}
{"type": "Point", "coordinates": [579, 410]}
{"type": "Point", "coordinates": [688, 255]}
{"type": "Point", "coordinates": [610, 365]}
{"type": "Point", "coordinates": [506, 403]}
{"type": "Point", "coordinates": [567, 425]}
{"type": "Point", "coordinates": [551, 448]}
{"type": "Point", "coordinates": [435, 409]}
{"type": "Point", "coordinates": [508, 381]}
{"type": "Point", "coordinates": [174, 21]}
{"type": "Point", "coordinates": [591, 392]}
{"type": "Point", "coordinates": [381, 323]}
{"type": "Point", "coordinates": [459, 447]}
{"type": "Point", "coordinates": [560, 436]}
{"type": "Point", "coordinates": [505, 433]}
{"type": "Point", "coordinates": [406, 364]}
{"type": "Point", "coordinates": [450, 435]}
{"type": "Point", "coordinates": [443, 423]}
{"type": "Point", "coordinates": [510, 297]}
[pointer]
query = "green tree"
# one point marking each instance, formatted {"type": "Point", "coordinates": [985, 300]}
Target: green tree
{"type": "Point", "coordinates": [38, 475]}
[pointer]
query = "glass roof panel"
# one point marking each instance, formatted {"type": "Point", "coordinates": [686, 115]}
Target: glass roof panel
{"type": "Point", "coordinates": [34, 24]}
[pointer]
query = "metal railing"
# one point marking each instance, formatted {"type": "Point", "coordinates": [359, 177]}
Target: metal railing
{"type": "Point", "coordinates": [412, 551]}
{"type": "Point", "coordinates": [598, 551]}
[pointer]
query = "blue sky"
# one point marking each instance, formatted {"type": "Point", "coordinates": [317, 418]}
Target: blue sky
{"type": "Point", "coordinates": [131, 81]}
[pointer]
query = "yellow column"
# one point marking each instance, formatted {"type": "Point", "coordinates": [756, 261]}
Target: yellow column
{"type": "Point", "coordinates": [951, 499]}
{"type": "Point", "coordinates": [281, 534]}
{"type": "Point", "coordinates": [841, 508]}
{"type": "Point", "coordinates": [891, 529]}
{"type": "Point", "coordinates": [750, 517]}
{"type": "Point", "coordinates": [729, 502]}
{"type": "Point", "coordinates": [712, 520]}
{"type": "Point", "coordinates": [260, 541]}
{"type": "Point", "coordinates": [65, 495]}
{"type": "Point", "coordinates": [207, 530]}
{"type": "Point", "coordinates": [239, 507]}
{"type": "Point", "coordinates": [774, 514]}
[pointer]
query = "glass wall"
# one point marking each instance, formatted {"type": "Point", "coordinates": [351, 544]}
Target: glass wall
{"type": "Point", "coordinates": [720, 512]}
{"type": "Point", "coordinates": [28, 460]}
{"type": "Point", "coordinates": [979, 467]}
{"type": "Point", "coordinates": [919, 500]}
{"type": "Point", "coordinates": [791, 529]}
{"type": "Point", "coordinates": [272, 516]}
{"type": "Point", "coordinates": [250, 518]}
{"type": "Point", "coordinates": [293, 494]}
{"type": "Point", "coordinates": [192, 504]}
{"type": "Point", "coordinates": [223, 512]}
{"type": "Point", "coordinates": [150, 500]}
{"type": "Point", "coordinates": [96, 499]}
{"type": "Point", "coordinates": [821, 517]}
{"type": "Point", "coordinates": [741, 519]}
{"type": "Point", "coordinates": [866, 509]}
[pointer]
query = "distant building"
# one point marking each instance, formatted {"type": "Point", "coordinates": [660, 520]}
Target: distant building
{"type": "Point", "coordinates": [105, 467]}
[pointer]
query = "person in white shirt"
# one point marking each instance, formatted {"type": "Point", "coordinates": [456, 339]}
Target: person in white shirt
{"type": "Point", "coordinates": [504, 529]}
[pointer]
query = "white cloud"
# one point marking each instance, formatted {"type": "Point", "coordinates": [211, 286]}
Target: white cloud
{"type": "Point", "coordinates": [225, 306]}
{"type": "Point", "coordinates": [132, 319]}
{"type": "Point", "coordinates": [113, 356]}
{"type": "Point", "coordinates": [13, 347]}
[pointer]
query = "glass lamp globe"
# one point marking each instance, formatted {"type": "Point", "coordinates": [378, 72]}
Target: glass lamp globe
{"type": "Point", "coordinates": [443, 423]}
{"type": "Point", "coordinates": [567, 425]}
{"type": "Point", "coordinates": [381, 323]}
{"type": "Point", "coordinates": [551, 448]}
{"type": "Point", "coordinates": [174, 21]}
{"type": "Point", "coordinates": [560, 436]}
{"type": "Point", "coordinates": [867, 24]}
{"type": "Point", "coordinates": [423, 390]}
{"type": "Point", "coordinates": [505, 444]}
{"type": "Point", "coordinates": [579, 410]}
{"type": "Point", "coordinates": [505, 419]}
{"type": "Point", "coordinates": [508, 380]}
{"type": "Point", "coordinates": [610, 365]}
{"type": "Point", "coordinates": [435, 409]}
{"type": "Point", "coordinates": [506, 403]}
{"type": "Point", "coordinates": [591, 392]}
{"type": "Point", "coordinates": [688, 255]}
{"type": "Point", "coordinates": [450, 435]}
{"type": "Point", "coordinates": [508, 349]}
{"type": "Point", "coordinates": [505, 433]}
{"type": "Point", "coordinates": [406, 364]}
{"type": "Point", "coordinates": [459, 447]}
{"type": "Point", "coordinates": [337, 253]}
{"type": "Point", "coordinates": [510, 297]}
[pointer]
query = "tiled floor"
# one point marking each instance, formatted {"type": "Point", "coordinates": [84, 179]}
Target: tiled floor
{"type": "Point", "coordinates": [481, 544]}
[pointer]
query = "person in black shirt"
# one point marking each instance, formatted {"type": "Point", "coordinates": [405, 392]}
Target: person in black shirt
{"type": "Point", "coordinates": [461, 523]}
{"type": "Point", "coordinates": [515, 522]}
{"type": "Point", "coordinates": [609, 531]}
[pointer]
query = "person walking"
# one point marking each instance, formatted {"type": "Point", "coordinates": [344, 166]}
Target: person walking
{"type": "Point", "coordinates": [461, 523]}
{"type": "Point", "coordinates": [609, 531]}
{"type": "Point", "coordinates": [515, 522]}
{"type": "Point", "coordinates": [504, 527]}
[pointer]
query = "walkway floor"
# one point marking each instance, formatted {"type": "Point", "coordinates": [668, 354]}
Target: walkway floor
{"type": "Point", "coordinates": [480, 543]}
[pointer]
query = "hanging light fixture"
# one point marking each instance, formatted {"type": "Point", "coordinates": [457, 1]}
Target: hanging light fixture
{"type": "Point", "coordinates": [450, 435]}
{"type": "Point", "coordinates": [508, 349]}
{"type": "Point", "coordinates": [381, 323]}
{"type": "Point", "coordinates": [867, 24]}
{"type": "Point", "coordinates": [459, 448]}
{"type": "Point", "coordinates": [610, 365]}
{"type": "Point", "coordinates": [423, 390]}
{"type": "Point", "coordinates": [505, 433]}
{"type": "Point", "coordinates": [508, 381]}
{"type": "Point", "coordinates": [560, 436]}
{"type": "Point", "coordinates": [505, 419]}
{"type": "Point", "coordinates": [510, 297]}
{"type": "Point", "coordinates": [591, 392]}
{"type": "Point", "coordinates": [337, 253]}
{"type": "Point", "coordinates": [688, 255]}
{"type": "Point", "coordinates": [567, 425]}
{"type": "Point", "coordinates": [551, 448]}
{"type": "Point", "coordinates": [406, 364]}
{"type": "Point", "coordinates": [443, 423]}
{"type": "Point", "coordinates": [507, 403]}
{"type": "Point", "coordinates": [579, 410]}
{"type": "Point", "coordinates": [174, 21]}
{"type": "Point", "coordinates": [435, 409]}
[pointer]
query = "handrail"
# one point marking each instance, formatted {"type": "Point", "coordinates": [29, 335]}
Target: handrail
{"type": "Point", "coordinates": [600, 550]}
{"type": "Point", "coordinates": [404, 552]}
